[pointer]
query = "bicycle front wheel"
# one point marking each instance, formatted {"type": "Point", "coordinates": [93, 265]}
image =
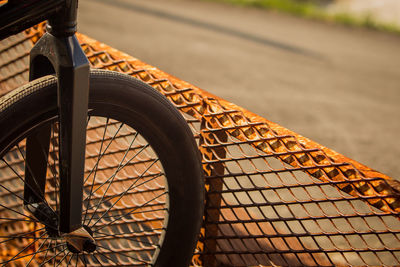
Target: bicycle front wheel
{"type": "Point", "coordinates": [143, 185]}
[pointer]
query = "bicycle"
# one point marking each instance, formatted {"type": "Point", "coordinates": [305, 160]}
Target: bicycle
{"type": "Point", "coordinates": [97, 168]}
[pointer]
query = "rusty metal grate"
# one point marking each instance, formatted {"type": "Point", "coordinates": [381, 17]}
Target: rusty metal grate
{"type": "Point", "coordinates": [273, 196]}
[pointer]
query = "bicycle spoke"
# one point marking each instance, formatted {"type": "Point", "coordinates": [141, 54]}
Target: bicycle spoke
{"type": "Point", "coordinates": [53, 172]}
{"type": "Point", "coordinates": [132, 239]}
{"type": "Point", "coordinates": [16, 220]}
{"type": "Point", "coordinates": [30, 244]}
{"type": "Point", "coordinates": [53, 257]}
{"type": "Point", "coordinates": [22, 179]}
{"type": "Point", "coordinates": [115, 173]}
{"type": "Point", "coordinates": [118, 169]}
{"type": "Point", "coordinates": [121, 253]}
{"type": "Point", "coordinates": [61, 251]}
{"type": "Point", "coordinates": [32, 219]}
{"type": "Point", "coordinates": [107, 257]}
{"type": "Point", "coordinates": [19, 197]}
{"type": "Point", "coordinates": [55, 252]}
{"type": "Point", "coordinates": [47, 251]}
{"type": "Point", "coordinates": [128, 212]}
{"type": "Point", "coordinates": [84, 260]}
{"type": "Point", "coordinates": [122, 235]}
{"type": "Point", "coordinates": [62, 259]}
{"type": "Point", "coordinates": [97, 164]}
{"type": "Point", "coordinates": [98, 160]}
{"type": "Point", "coordinates": [146, 211]}
{"type": "Point", "coordinates": [31, 172]}
{"type": "Point", "coordinates": [20, 236]}
{"type": "Point", "coordinates": [113, 196]}
{"type": "Point", "coordinates": [67, 247]}
{"type": "Point", "coordinates": [124, 193]}
{"type": "Point", "coordinates": [70, 259]}
{"type": "Point", "coordinates": [94, 256]}
{"type": "Point", "coordinates": [30, 260]}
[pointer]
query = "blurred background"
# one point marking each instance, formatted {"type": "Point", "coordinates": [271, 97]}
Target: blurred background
{"type": "Point", "coordinates": [328, 70]}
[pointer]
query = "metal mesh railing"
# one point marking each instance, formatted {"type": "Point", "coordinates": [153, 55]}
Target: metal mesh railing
{"type": "Point", "coordinates": [273, 197]}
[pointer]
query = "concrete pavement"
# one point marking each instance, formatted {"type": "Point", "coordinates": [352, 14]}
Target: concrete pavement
{"type": "Point", "coordinates": [338, 86]}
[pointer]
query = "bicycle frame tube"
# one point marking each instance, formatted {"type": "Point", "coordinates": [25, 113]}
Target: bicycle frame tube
{"type": "Point", "coordinates": [59, 51]}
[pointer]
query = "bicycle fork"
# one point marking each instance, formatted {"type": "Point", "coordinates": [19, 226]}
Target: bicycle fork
{"type": "Point", "coordinates": [59, 52]}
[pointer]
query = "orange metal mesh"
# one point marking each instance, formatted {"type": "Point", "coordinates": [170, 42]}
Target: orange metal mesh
{"type": "Point", "coordinates": [273, 197]}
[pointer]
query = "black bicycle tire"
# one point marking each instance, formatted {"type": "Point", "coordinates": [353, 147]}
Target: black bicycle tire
{"type": "Point", "coordinates": [138, 104]}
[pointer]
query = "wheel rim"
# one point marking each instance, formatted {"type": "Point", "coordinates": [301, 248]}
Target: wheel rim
{"type": "Point", "coordinates": [125, 201]}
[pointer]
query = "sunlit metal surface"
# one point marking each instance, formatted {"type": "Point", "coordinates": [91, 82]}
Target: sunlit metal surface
{"type": "Point", "coordinates": [273, 196]}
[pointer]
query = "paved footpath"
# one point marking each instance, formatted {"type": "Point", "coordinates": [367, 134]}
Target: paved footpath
{"type": "Point", "coordinates": [338, 86]}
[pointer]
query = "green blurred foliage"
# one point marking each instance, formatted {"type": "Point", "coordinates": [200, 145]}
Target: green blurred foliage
{"type": "Point", "coordinates": [314, 9]}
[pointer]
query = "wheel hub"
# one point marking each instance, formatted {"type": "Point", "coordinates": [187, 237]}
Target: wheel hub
{"type": "Point", "coordinates": [80, 240]}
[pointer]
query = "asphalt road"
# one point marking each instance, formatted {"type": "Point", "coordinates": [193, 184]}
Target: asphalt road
{"type": "Point", "coordinates": [338, 86]}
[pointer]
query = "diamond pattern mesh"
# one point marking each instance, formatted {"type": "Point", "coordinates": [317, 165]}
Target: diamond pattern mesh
{"type": "Point", "coordinates": [273, 197]}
